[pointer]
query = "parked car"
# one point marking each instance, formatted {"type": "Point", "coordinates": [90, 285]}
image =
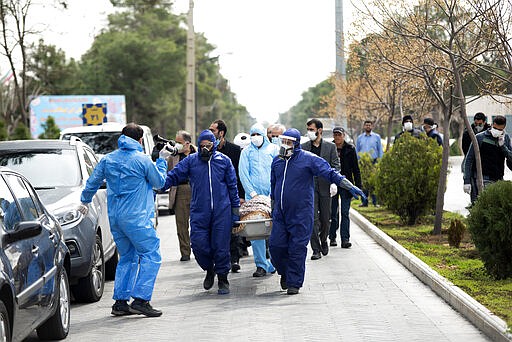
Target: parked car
{"type": "Point", "coordinates": [103, 139]}
{"type": "Point", "coordinates": [35, 263]}
{"type": "Point", "coordinates": [58, 171]}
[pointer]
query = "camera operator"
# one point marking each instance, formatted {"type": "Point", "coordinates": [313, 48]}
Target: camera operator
{"type": "Point", "coordinates": [131, 177]}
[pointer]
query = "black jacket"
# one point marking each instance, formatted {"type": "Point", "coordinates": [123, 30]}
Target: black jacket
{"type": "Point", "coordinates": [466, 139]}
{"type": "Point", "coordinates": [349, 164]}
{"type": "Point", "coordinates": [233, 152]}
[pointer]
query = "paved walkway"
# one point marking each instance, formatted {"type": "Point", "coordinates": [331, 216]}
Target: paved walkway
{"type": "Point", "coordinates": [359, 294]}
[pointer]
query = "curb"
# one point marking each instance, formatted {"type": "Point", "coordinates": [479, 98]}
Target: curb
{"type": "Point", "coordinates": [493, 326]}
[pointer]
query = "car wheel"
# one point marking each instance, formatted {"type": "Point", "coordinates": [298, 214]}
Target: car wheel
{"type": "Point", "coordinates": [57, 326]}
{"type": "Point", "coordinates": [5, 327]}
{"type": "Point", "coordinates": [111, 265]}
{"type": "Point", "coordinates": [90, 288]}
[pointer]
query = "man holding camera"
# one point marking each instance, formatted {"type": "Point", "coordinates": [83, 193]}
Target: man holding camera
{"type": "Point", "coordinates": [213, 209]}
{"type": "Point", "coordinates": [131, 177]}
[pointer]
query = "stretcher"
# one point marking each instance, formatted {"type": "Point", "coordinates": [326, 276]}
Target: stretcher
{"type": "Point", "coordinates": [256, 227]}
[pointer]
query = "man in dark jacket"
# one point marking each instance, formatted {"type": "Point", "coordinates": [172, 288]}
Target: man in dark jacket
{"type": "Point", "coordinates": [219, 130]}
{"type": "Point", "coordinates": [495, 149]}
{"type": "Point", "coordinates": [479, 125]}
{"type": "Point", "coordinates": [349, 169]}
{"type": "Point", "coordinates": [408, 127]}
{"type": "Point", "coordinates": [429, 127]}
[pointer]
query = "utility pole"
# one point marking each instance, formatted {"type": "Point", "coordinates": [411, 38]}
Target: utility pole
{"type": "Point", "coordinates": [190, 106]}
{"type": "Point", "coordinates": [340, 116]}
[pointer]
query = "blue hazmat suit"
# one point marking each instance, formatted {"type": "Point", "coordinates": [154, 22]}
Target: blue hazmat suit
{"type": "Point", "coordinates": [214, 194]}
{"type": "Point", "coordinates": [131, 176]}
{"type": "Point", "coordinates": [254, 171]}
{"type": "Point", "coordinates": [292, 193]}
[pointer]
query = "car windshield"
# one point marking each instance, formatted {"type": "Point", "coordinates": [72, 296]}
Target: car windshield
{"type": "Point", "coordinates": [100, 142]}
{"type": "Point", "coordinates": [45, 169]}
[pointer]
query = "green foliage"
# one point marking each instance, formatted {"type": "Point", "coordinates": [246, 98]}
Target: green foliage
{"type": "Point", "coordinates": [50, 129]}
{"type": "Point", "coordinates": [454, 149]}
{"type": "Point", "coordinates": [408, 176]}
{"type": "Point", "coordinates": [368, 171]}
{"type": "Point", "coordinates": [3, 131]}
{"type": "Point", "coordinates": [21, 132]}
{"type": "Point", "coordinates": [490, 224]}
{"type": "Point", "coordinates": [456, 232]}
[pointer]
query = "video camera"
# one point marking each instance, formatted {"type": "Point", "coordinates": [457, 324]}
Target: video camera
{"type": "Point", "coordinates": [160, 142]}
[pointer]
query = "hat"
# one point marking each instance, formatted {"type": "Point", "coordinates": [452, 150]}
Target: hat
{"type": "Point", "coordinates": [428, 121]}
{"type": "Point", "coordinates": [480, 116]}
{"type": "Point", "coordinates": [338, 129]}
{"type": "Point", "coordinates": [405, 118]}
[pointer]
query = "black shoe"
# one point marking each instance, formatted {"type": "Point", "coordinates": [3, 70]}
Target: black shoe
{"type": "Point", "coordinates": [284, 286]}
{"type": "Point", "coordinates": [345, 244]}
{"type": "Point", "coordinates": [325, 248]}
{"type": "Point", "coordinates": [316, 256]}
{"type": "Point", "coordinates": [260, 272]}
{"type": "Point", "coordinates": [209, 279]}
{"type": "Point", "coordinates": [235, 267]}
{"type": "Point", "coordinates": [292, 291]}
{"type": "Point", "coordinates": [121, 308]}
{"type": "Point", "coordinates": [223, 284]}
{"type": "Point", "coordinates": [185, 258]}
{"type": "Point", "coordinates": [333, 243]}
{"type": "Point", "coordinates": [142, 307]}
{"type": "Point", "coordinates": [363, 205]}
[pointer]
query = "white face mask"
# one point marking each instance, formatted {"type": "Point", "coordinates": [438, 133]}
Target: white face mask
{"type": "Point", "coordinates": [312, 135]}
{"type": "Point", "coordinates": [179, 147]}
{"type": "Point", "coordinates": [408, 126]}
{"type": "Point", "coordinates": [479, 128]}
{"type": "Point", "coordinates": [496, 132]}
{"type": "Point", "coordinates": [257, 140]}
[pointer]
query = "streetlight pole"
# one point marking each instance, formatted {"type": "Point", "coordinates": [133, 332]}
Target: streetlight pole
{"type": "Point", "coordinates": [190, 112]}
{"type": "Point", "coordinates": [340, 64]}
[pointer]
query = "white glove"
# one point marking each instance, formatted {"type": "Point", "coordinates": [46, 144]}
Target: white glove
{"type": "Point", "coordinates": [83, 209]}
{"type": "Point", "coordinates": [253, 194]}
{"type": "Point", "coordinates": [167, 151]}
{"type": "Point", "coordinates": [467, 188]}
{"type": "Point", "coordinates": [501, 140]}
{"type": "Point", "coordinates": [333, 190]}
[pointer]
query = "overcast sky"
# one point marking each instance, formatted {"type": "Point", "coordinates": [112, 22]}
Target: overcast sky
{"type": "Point", "coordinates": [271, 51]}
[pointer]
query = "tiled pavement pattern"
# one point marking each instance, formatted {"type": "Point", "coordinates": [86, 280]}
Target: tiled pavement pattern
{"type": "Point", "coordinates": [359, 294]}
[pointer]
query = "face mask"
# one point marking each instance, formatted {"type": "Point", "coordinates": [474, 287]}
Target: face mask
{"type": "Point", "coordinates": [312, 135]}
{"type": "Point", "coordinates": [217, 141]}
{"type": "Point", "coordinates": [205, 154]}
{"type": "Point", "coordinates": [275, 140]}
{"type": "Point", "coordinates": [496, 132]}
{"type": "Point", "coordinates": [285, 151]}
{"type": "Point", "coordinates": [179, 147]}
{"type": "Point", "coordinates": [257, 140]}
{"type": "Point", "coordinates": [408, 126]}
{"type": "Point", "coordinates": [479, 128]}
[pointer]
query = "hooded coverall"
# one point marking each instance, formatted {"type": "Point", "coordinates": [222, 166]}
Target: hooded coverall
{"type": "Point", "coordinates": [131, 177]}
{"type": "Point", "coordinates": [292, 190]}
{"type": "Point", "coordinates": [214, 194]}
{"type": "Point", "coordinates": [254, 170]}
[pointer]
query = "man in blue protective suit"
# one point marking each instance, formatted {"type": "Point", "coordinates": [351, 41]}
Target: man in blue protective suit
{"type": "Point", "coordinates": [254, 170]}
{"type": "Point", "coordinates": [131, 177]}
{"type": "Point", "coordinates": [213, 208]}
{"type": "Point", "coordinates": [292, 194]}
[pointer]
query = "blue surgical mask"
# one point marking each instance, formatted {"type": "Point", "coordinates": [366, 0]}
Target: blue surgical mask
{"type": "Point", "coordinates": [217, 142]}
{"type": "Point", "coordinates": [275, 140]}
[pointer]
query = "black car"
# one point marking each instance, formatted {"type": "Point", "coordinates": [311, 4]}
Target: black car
{"type": "Point", "coordinates": [34, 261]}
{"type": "Point", "coordinates": [58, 171]}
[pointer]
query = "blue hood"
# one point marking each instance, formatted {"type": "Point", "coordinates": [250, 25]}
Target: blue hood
{"type": "Point", "coordinates": [294, 133]}
{"type": "Point", "coordinates": [207, 135]}
{"type": "Point", "coordinates": [127, 143]}
{"type": "Point", "coordinates": [258, 128]}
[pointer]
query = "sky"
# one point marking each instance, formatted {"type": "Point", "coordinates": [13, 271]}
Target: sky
{"type": "Point", "coordinates": [271, 51]}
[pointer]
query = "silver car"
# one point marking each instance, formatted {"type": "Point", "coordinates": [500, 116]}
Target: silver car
{"type": "Point", "coordinates": [58, 171]}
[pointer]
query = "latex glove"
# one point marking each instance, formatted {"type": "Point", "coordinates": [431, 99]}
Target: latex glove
{"type": "Point", "coordinates": [235, 216]}
{"type": "Point", "coordinates": [333, 190]}
{"type": "Point", "coordinates": [467, 188]}
{"type": "Point", "coordinates": [356, 192]}
{"type": "Point", "coordinates": [83, 208]}
{"type": "Point", "coordinates": [501, 140]}
{"type": "Point", "coordinates": [168, 151]}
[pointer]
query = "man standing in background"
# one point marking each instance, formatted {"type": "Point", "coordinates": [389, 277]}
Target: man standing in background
{"type": "Point", "coordinates": [369, 142]}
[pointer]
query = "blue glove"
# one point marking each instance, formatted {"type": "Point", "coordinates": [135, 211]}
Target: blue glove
{"type": "Point", "coordinates": [356, 192]}
{"type": "Point", "coordinates": [235, 216]}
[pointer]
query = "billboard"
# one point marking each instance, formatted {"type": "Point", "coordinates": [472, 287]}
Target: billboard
{"type": "Point", "coordinates": [68, 110]}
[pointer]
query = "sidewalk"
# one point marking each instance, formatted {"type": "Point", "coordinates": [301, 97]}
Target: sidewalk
{"type": "Point", "coordinates": [357, 294]}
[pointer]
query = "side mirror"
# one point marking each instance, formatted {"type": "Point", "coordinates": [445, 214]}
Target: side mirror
{"type": "Point", "coordinates": [23, 230]}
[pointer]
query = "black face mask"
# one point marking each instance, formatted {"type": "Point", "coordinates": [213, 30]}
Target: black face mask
{"type": "Point", "coordinates": [205, 154]}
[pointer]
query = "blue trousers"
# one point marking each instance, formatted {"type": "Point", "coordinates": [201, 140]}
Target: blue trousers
{"type": "Point", "coordinates": [259, 250]}
{"type": "Point", "coordinates": [345, 198]}
{"type": "Point", "coordinates": [139, 260]}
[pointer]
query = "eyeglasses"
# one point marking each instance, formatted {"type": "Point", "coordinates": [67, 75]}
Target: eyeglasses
{"type": "Point", "coordinates": [208, 146]}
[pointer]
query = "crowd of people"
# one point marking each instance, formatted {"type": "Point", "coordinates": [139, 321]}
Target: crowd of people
{"type": "Point", "coordinates": [209, 181]}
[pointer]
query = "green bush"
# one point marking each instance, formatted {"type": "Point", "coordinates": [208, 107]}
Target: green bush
{"type": "Point", "coordinates": [21, 132]}
{"type": "Point", "coordinates": [51, 130]}
{"type": "Point", "coordinates": [368, 171]}
{"type": "Point", "coordinates": [408, 176]}
{"type": "Point", "coordinates": [490, 225]}
{"type": "Point", "coordinates": [456, 232]}
{"type": "Point", "coordinates": [454, 149]}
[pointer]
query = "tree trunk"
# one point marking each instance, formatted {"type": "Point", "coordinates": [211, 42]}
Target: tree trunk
{"type": "Point", "coordinates": [441, 187]}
